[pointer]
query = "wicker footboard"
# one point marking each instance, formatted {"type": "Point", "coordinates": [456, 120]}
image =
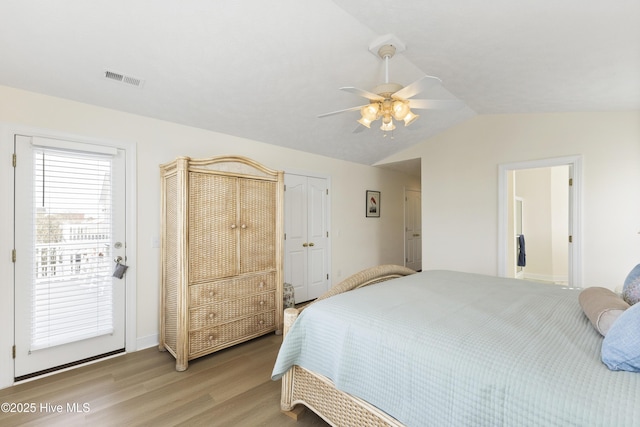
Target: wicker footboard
{"type": "Point", "coordinates": [336, 407]}
{"type": "Point", "coordinates": [300, 386]}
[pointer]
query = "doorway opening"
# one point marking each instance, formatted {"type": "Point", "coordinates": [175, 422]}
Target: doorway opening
{"type": "Point", "coordinates": [539, 203]}
{"type": "Point", "coordinates": [413, 229]}
{"type": "Point", "coordinates": [40, 247]}
{"type": "Point", "coordinates": [539, 223]}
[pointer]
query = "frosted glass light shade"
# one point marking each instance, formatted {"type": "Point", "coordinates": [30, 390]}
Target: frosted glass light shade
{"type": "Point", "coordinates": [410, 118]}
{"type": "Point", "coordinates": [370, 112]}
{"type": "Point", "coordinates": [365, 122]}
{"type": "Point", "coordinates": [388, 126]}
{"type": "Point", "coordinates": [400, 110]}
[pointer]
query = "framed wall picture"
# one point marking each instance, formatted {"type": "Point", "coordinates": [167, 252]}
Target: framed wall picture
{"type": "Point", "coordinates": [373, 204]}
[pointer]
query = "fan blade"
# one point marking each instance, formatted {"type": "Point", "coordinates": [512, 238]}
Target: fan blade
{"type": "Point", "coordinates": [436, 104]}
{"type": "Point", "coordinates": [416, 87]}
{"type": "Point", "coordinates": [346, 110]}
{"type": "Point", "coordinates": [363, 93]}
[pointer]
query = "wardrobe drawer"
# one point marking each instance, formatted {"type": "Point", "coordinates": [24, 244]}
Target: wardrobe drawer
{"type": "Point", "coordinates": [227, 334]}
{"type": "Point", "coordinates": [212, 292]}
{"type": "Point", "coordinates": [214, 314]}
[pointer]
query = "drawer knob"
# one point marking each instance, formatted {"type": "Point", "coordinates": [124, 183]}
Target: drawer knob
{"type": "Point", "coordinates": [261, 284]}
{"type": "Point", "coordinates": [243, 226]}
{"type": "Point", "coordinates": [233, 226]}
{"type": "Point", "coordinates": [261, 322]}
{"type": "Point", "coordinates": [211, 337]}
{"type": "Point", "coordinates": [211, 293]}
{"type": "Point", "coordinates": [211, 315]}
{"type": "Point", "coordinates": [261, 302]}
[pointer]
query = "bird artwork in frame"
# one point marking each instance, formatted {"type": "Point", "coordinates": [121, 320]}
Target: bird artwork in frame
{"type": "Point", "coordinates": [373, 204]}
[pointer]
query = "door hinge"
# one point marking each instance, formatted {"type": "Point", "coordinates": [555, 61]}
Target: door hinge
{"type": "Point", "coordinates": [285, 236]}
{"type": "Point", "coordinates": [285, 187]}
{"type": "Point", "coordinates": [13, 351]}
{"type": "Point", "coordinates": [327, 276]}
{"type": "Point", "coordinates": [570, 239]}
{"type": "Point", "coordinates": [13, 255]}
{"type": "Point", "coordinates": [327, 234]}
{"type": "Point", "coordinates": [14, 160]}
{"type": "Point", "coordinates": [327, 191]}
{"type": "Point", "coordinates": [570, 182]}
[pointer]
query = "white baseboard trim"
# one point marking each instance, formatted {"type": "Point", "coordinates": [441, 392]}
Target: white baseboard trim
{"type": "Point", "coordinates": [147, 342]}
{"type": "Point", "coordinates": [547, 278]}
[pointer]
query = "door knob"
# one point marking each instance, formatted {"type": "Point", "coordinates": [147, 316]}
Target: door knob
{"type": "Point", "coordinates": [311, 244]}
{"type": "Point", "coordinates": [304, 245]}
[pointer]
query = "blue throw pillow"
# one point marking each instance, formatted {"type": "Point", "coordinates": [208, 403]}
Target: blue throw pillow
{"type": "Point", "coordinates": [621, 345]}
{"type": "Point", "coordinates": [631, 288]}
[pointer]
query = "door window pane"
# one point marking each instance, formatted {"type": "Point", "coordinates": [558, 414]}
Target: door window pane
{"type": "Point", "coordinates": [71, 265]}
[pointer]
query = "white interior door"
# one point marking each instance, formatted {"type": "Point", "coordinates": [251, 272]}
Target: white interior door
{"type": "Point", "coordinates": [69, 227]}
{"type": "Point", "coordinates": [413, 229]}
{"type": "Point", "coordinates": [318, 237]}
{"type": "Point", "coordinates": [306, 236]}
{"type": "Point", "coordinates": [295, 230]}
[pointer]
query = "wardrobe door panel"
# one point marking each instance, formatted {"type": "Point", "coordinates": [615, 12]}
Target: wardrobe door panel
{"type": "Point", "coordinates": [257, 225]}
{"type": "Point", "coordinates": [212, 226]}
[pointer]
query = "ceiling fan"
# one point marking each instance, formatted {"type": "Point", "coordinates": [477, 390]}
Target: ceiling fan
{"type": "Point", "coordinates": [390, 101]}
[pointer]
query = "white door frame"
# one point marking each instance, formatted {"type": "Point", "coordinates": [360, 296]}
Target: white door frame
{"type": "Point", "coordinates": [7, 131]}
{"type": "Point", "coordinates": [575, 212]}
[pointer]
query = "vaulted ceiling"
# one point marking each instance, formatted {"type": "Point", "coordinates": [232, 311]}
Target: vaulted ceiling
{"type": "Point", "coordinates": [264, 70]}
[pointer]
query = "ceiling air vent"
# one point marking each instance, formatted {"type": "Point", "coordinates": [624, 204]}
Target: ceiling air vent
{"type": "Point", "coordinates": [122, 78]}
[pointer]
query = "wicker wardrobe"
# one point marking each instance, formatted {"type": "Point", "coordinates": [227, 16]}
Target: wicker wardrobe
{"type": "Point", "coordinates": [221, 254]}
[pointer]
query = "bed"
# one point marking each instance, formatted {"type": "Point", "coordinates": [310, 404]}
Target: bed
{"type": "Point", "coordinates": [389, 347]}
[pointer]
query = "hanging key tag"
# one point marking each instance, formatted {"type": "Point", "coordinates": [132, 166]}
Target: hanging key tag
{"type": "Point", "coordinates": [120, 268]}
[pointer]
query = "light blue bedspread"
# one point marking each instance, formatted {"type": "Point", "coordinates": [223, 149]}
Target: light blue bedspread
{"type": "Point", "coordinates": [443, 348]}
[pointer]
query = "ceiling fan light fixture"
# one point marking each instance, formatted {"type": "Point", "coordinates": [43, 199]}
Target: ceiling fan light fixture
{"type": "Point", "coordinates": [388, 126]}
{"type": "Point", "coordinates": [365, 122]}
{"type": "Point", "coordinates": [389, 101]}
{"type": "Point", "coordinates": [410, 118]}
{"type": "Point", "coordinates": [370, 112]}
{"type": "Point", "coordinates": [400, 109]}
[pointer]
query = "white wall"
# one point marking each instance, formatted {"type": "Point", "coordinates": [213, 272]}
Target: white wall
{"type": "Point", "coordinates": [460, 187]}
{"type": "Point", "coordinates": [357, 242]}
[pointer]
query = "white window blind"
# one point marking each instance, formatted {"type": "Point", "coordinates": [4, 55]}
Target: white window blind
{"type": "Point", "coordinates": [72, 262]}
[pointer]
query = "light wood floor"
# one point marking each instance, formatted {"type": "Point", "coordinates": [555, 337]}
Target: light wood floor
{"type": "Point", "coordinates": [228, 388]}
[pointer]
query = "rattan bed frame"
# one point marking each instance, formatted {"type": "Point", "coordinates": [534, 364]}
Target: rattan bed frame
{"type": "Point", "coordinates": [316, 392]}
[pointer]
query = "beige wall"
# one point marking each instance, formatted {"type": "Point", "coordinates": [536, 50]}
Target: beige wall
{"type": "Point", "coordinates": [357, 242]}
{"type": "Point", "coordinates": [460, 187]}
